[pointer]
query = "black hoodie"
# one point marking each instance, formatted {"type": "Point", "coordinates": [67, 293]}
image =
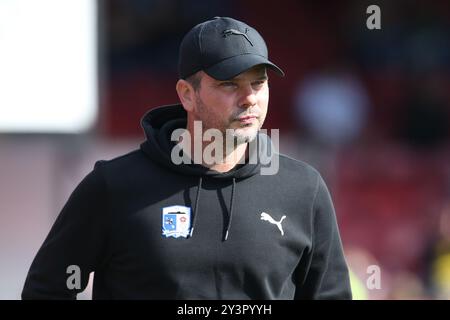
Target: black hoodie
{"type": "Point", "coordinates": [249, 235]}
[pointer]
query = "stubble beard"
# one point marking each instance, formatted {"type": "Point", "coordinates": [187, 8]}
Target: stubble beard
{"type": "Point", "coordinates": [237, 135]}
{"type": "Point", "coordinates": [240, 137]}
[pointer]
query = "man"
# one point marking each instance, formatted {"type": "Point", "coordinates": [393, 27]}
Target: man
{"type": "Point", "coordinates": [153, 227]}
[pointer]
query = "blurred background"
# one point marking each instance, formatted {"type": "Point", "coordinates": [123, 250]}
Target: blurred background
{"type": "Point", "coordinates": [369, 108]}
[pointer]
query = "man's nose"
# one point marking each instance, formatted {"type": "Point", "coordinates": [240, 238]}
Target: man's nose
{"type": "Point", "coordinates": [248, 98]}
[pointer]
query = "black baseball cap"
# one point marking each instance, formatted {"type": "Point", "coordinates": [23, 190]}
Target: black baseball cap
{"type": "Point", "coordinates": [223, 48]}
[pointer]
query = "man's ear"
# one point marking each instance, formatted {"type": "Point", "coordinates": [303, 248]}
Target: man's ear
{"type": "Point", "coordinates": [186, 94]}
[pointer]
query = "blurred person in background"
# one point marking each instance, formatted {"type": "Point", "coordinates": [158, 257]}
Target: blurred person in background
{"type": "Point", "coordinates": [333, 107]}
{"type": "Point", "coordinates": [360, 263]}
{"type": "Point", "coordinates": [151, 228]}
{"type": "Point", "coordinates": [437, 258]}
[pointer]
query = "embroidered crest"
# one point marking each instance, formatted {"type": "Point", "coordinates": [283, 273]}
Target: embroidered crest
{"type": "Point", "coordinates": [176, 221]}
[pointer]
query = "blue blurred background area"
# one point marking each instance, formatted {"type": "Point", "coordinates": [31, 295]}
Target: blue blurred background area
{"type": "Point", "coordinates": [369, 108]}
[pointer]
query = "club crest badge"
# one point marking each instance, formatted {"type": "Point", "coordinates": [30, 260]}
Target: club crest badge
{"type": "Point", "coordinates": [176, 221]}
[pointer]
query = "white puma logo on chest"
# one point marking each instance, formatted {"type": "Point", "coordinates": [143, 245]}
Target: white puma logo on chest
{"type": "Point", "coordinates": [268, 218]}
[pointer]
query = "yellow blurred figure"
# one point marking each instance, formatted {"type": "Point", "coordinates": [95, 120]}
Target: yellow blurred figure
{"type": "Point", "coordinates": [359, 291]}
{"type": "Point", "coordinates": [441, 276]}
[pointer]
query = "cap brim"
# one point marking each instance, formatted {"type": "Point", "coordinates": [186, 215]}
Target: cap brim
{"type": "Point", "coordinates": [231, 67]}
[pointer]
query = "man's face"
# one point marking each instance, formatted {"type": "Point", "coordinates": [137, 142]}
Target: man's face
{"type": "Point", "coordinates": [239, 103]}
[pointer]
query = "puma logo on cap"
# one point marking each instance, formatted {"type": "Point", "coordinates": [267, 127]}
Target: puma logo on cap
{"type": "Point", "coordinates": [229, 32]}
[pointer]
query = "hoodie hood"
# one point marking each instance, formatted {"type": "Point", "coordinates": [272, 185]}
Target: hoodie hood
{"type": "Point", "coordinates": [158, 125]}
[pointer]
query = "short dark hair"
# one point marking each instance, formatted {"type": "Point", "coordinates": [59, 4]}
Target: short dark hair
{"type": "Point", "coordinates": [195, 80]}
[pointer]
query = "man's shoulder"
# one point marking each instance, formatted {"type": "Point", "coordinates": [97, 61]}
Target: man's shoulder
{"type": "Point", "coordinates": [297, 173]}
{"type": "Point", "coordinates": [290, 165]}
{"type": "Point", "coordinates": [122, 162]}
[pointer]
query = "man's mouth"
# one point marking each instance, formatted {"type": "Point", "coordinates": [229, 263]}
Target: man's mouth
{"type": "Point", "coordinates": [247, 119]}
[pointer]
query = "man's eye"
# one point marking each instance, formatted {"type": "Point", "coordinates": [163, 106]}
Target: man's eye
{"type": "Point", "coordinates": [258, 84]}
